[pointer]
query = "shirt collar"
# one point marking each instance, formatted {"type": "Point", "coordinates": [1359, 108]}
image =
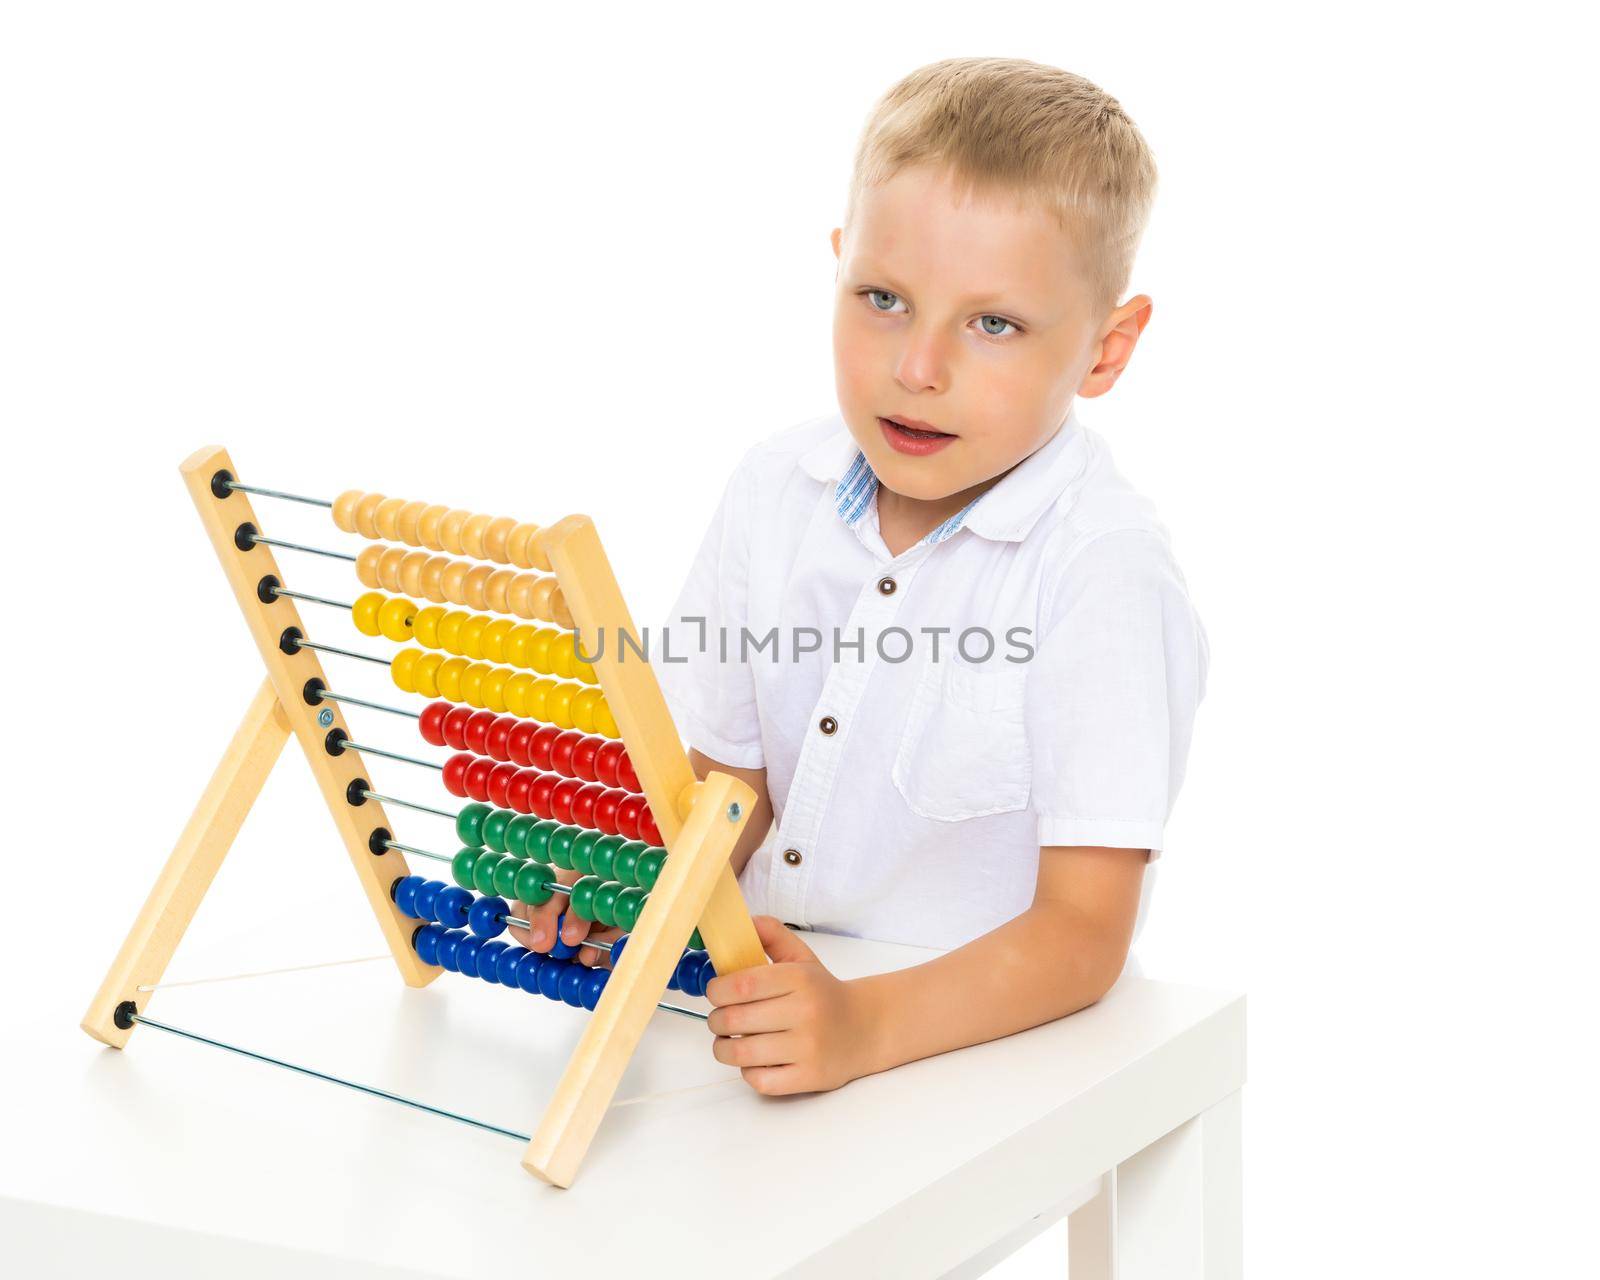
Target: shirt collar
{"type": "Point", "coordinates": [1004, 513]}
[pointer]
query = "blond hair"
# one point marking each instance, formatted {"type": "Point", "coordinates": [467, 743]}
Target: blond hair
{"type": "Point", "coordinates": [1036, 133]}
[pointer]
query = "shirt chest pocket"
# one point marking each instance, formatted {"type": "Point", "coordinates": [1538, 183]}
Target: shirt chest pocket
{"type": "Point", "coordinates": [965, 750]}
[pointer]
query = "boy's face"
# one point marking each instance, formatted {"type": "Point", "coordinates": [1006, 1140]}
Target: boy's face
{"type": "Point", "coordinates": [971, 318]}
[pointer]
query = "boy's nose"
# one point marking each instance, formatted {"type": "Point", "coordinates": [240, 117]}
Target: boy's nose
{"type": "Point", "coordinates": [922, 363]}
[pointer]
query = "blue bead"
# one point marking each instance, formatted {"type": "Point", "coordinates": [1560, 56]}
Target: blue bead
{"type": "Point", "coordinates": [688, 974]}
{"type": "Point", "coordinates": [449, 944]}
{"type": "Point", "coordinates": [550, 978]}
{"type": "Point", "coordinates": [427, 895]}
{"type": "Point", "coordinates": [489, 961]}
{"type": "Point", "coordinates": [594, 982]}
{"type": "Point", "coordinates": [505, 967]}
{"type": "Point", "coordinates": [528, 967]}
{"type": "Point", "coordinates": [616, 948]}
{"type": "Point", "coordinates": [561, 950]}
{"type": "Point", "coordinates": [467, 954]}
{"type": "Point", "coordinates": [427, 943]}
{"type": "Point", "coordinates": [708, 971]}
{"type": "Point", "coordinates": [571, 985]}
{"type": "Point", "coordinates": [450, 907]}
{"type": "Point", "coordinates": [484, 917]}
{"type": "Point", "coordinates": [405, 896]}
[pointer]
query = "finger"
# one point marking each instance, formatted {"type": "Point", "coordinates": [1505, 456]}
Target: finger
{"type": "Point", "coordinates": [575, 929]}
{"type": "Point", "coordinates": [592, 956]}
{"type": "Point", "coordinates": [782, 944]}
{"type": "Point", "coordinates": [776, 1081]}
{"type": "Point", "coordinates": [753, 984]}
{"type": "Point", "coordinates": [541, 935]}
{"type": "Point", "coordinates": [773, 1049]}
{"type": "Point", "coordinates": [759, 1016]}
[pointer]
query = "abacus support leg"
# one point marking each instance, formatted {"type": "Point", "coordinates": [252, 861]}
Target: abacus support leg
{"type": "Point", "coordinates": [183, 882]}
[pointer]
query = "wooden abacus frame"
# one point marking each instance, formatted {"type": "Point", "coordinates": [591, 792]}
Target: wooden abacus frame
{"type": "Point", "coordinates": [700, 821]}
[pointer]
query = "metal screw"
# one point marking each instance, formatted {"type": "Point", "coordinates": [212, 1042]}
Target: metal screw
{"type": "Point", "coordinates": [325, 717]}
{"type": "Point", "coordinates": [734, 811]}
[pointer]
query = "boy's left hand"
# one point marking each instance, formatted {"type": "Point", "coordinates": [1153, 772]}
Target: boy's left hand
{"type": "Point", "coordinates": [790, 1026]}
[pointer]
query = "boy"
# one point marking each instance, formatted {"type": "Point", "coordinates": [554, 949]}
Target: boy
{"type": "Point", "coordinates": [936, 632]}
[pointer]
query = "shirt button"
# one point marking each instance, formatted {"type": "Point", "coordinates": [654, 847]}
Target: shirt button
{"type": "Point", "coordinates": [886, 586]}
{"type": "Point", "coordinates": [827, 724]}
{"type": "Point", "coordinates": [792, 857]}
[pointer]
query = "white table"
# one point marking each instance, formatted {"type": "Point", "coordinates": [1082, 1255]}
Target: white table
{"type": "Point", "coordinates": [176, 1159]}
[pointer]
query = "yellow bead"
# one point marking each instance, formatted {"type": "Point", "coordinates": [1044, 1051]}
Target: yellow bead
{"type": "Point", "coordinates": [492, 688]}
{"type": "Point", "coordinates": [426, 674]}
{"type": "Point", "coordinates": [394, 619]}
{"type": "Point", "coordinates": [411, 566]}
{"type": "Point", "coordinates": [472, 635]}
{"type": "Point", "coordinates": [558, 706]}
{"type": "Point", "coordinates": [453, 582]}
{"type": "Point", "coordinates": [425, 626]}
{"type": "Point", "coordinates": [562, 657]}
{"type": "Point", "coordinates": [389, 568]}
{"type": "Point", "coordinates": [603, 723]}
{"type": "Point", "coordinates": [433, 580]}
{"type": "Point", "coordinates": [584, 702]}
{"type": "Point", "coordinates": [517, 691]}
{"type": "Point", "coordinates": [428, 527]}
{"type": "Point", "coordinates": [365, 510]}
{"type": "Point", "coordinates": [472, 684]}
{"type": "Point", "coordinates": [387, 517]}
{"type": "Point", "coordinates": [539, 700]}
{"type": "Point", "coordinates": [588, 674]}
{"type": "Point", "coordinates": [403, 669]}
{"type": "Point", "coordinates": [364, 613]}
{"type": "Point", "coordinates": [344, 510]}
{"type": "Point", "coordinates": [519, 545]}
{"type": "Point", "coordinates": [494, 639]}
{"type": "Point", "coordinates": [495, 535]}
{"type": "Point", "coordinates": [448, 678]}
{"type": "Point", "coordinates": [450, 631]}
{"type": "Point", "coordinates": [497, 590]}
{"type": "Point", "coordinates": [472, 536]}
{"type": "Point", "coordinates": [450, 531]}
{"type": "Point", "coordinates": [367, 565]}
{"type": "Point", "coordinates": [519, 643]}
{"type": "Point", "coordinates": [539, 652]}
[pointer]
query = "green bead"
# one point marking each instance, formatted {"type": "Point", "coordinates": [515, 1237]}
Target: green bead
{"type": "Point", "coordinates": [461, 867]}
{"type": "Point", "coordinates": [561, 846]}
{"type": "Point", "coordinates": [630, 902]}
{"type": "Point", "coordinates": [696, 942]}
{"type": "Point", "coordinates": [483, 872]}
{"type": "Point", "coordinates": [537, 845]}
{"type": "Point", "coordinates": [583, 851]}
{"type": "Point", "coordinates": [505, 876]}
{"type": "Point", "coordinates": [517, 834]}
{"type": "Point", "coordinates": [605, 903]}
{"type": "Point", "coordinates": [494, 829]}
{"type": "Point", "coordinates": [582, 903]}
{"type": "Point", "coordinates": [625, 866]}
{"type": "Point", "coordinates": [535, 883]}
{"type": "Point", "coordinates": [605, 855]}
{"type": "Point", "coordinates": [469, 824]}
{"type": "Point", "coordinates": [649, 867]}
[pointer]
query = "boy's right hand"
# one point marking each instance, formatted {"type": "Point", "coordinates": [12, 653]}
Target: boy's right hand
{"type": "Point", "coordinates": [541, 935]}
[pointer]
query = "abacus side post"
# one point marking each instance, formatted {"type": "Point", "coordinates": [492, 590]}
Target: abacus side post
{"type": "Point", "coordinates": [192, 865]}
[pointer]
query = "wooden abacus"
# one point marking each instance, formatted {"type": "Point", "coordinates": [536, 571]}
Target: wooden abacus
{"type": "Point", "coordinates": [581, 765]}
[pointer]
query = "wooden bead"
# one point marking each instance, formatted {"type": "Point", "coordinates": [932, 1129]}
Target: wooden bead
{"type": "Point", "coordinates": [387, 518]}
{"type": "Point", "coordinates": [517, 691]}
{"type": "Point", "coordinates": [410, 516]}
{"type": "Point", "coordinates": [473, 584]}
{"type": "Point", "coordinates": [519, 545]}
{"type": "Point", "coordinates": [604, 725]}
{"type": "Point", "coordinates": [364, 613]}
{"type": "Point", "coordinates": [558, 705]}
{"type": "Point", "coordinates": [389, 568]}
{"type": "Point", "coordinates": [454, 581]}
{"type": "Point", "coordinates": [559, 613]}
{"type": "Point", "coordinates": [428, 526]}
{"type": "Point", "coordinates": [519, 644]}
{"type": "Point", "coordinates": [472, 684]}
{"type": "Point", "coordinates": [403, 669]}
{"type": "Point", "coordinates": [564, 662]}
{"type": "Point", "coordinates": [543, 590]}
{"type": "Point", "coordinates": [583, 704]}
{"type": "Point", "coordinates": [495, 534]}
{"type": "Point", "coordinates": [367, 565]}
{"type": "Point", "coordinates": [472, 536]}
{"type": "Point", "coordinates": [497, 590]}
{"type": "Point", "coordinates": [425, 626]}
{"type": "Point", "coordinates": [448, 678]}
{"type": "Point", "coordinates": [537, 558]}
{"type": "Point", "coordinates": [494, 638]}
{"type": "Point", "coordinates": [394, 619]}
{"type": "Point", "coordinates": [364, 512]}
{"type": "Point", "coordinates": [450, 631]}
{"type": "Point", "coordinates": [492, 688]}
{"type": "Point", "coordinates": [472, 635]}
{"type": "Point", "coordinates": [520, 595]}
{"type": "Point", "coordinates": [426, 673]}
{"type": "Point", "coordinates": [539, 700]}
{"type": "Point", "coordinates": [433, 580]}
{"type": "Point", "coordinates": [344, 509]}
{"type": "Point", "coordinates": [411, 567]}
{"type": "Point", "coordinates": [450, 531]}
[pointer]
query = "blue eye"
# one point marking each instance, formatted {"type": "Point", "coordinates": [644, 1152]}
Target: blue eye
{"type": "Point", "coordinates": [995, 333]}
{"type": "Point", "coordinates": [874, 294]}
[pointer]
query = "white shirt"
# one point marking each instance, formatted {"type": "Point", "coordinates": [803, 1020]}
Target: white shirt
{"type": "Point", "coordinates": [911, 797]}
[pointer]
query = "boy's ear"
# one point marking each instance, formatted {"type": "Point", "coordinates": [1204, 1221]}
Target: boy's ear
{"type": "Point", "coordinates": [1124, 325]}
{"type": "Point", "coordinates": [838, 233]}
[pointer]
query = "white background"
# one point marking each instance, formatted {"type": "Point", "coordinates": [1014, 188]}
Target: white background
{"type": "Point", "coordinates": [519, 260]}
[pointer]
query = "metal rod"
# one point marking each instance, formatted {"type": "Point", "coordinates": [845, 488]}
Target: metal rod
{"type": "Point", "coordinates": [409, 804]}
{"type": "Point", "coordinates": [519, 923]}
{"type": "Point", "coordinates": [362, 702]}
{"type": "Point", "coordinates": [301, 595]}
{"type": "Point", "coordinates": [296, 546]}
{"type": "Point", "coordinates": [421, 853]}
{"type": "Point", "coordinates": [343, 653]}
{"type": "Point", "coordinates": [332, 1079]}
{"type": "Point", "coordinates": [389, 755]}
{"type": "Point", "coordinates": [273, 493]}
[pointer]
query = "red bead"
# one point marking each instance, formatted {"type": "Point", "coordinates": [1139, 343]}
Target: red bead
{"type": "Point", "coordinates": [499, 781]}
{"type": "Point", "coordinates": [539, 751]}
{"type": "Point", "coordinates": [478, 730]}
{"type": "Point", "coordinates": [519, 740]}
{"type": "Point", "coordinates": [519, 795]}
{"type": "Point", "coordinates": [495, 743]}
{"type": "Point", "coordinates": [561, 752]}
{"type": "Point", "coordinates": [477, 778]}
{"type": "Point", "coordinates": [583, 803]}
{"type": "Point", "coordinates": [455, 728]}
{"type": "Point", "coordinates": [605, 762]}
{"type": "Point", "coordinates": [431, 723]}
{"type": "Point", "coordinates": [628, 816]}
{"type": "Point", "coordinates": [648, 831]}
{"type": "Point", "coordinates": [561, 797]}
{"type": "Point", "coordinates": [584, 752]}
{"type": "Point", "coordinates": [605, 811]}
{"type": "Point", "coordinates": [626, 777]}
{"type": "Point", "coordinates": [539, 793]}
{"type": "Point", "coordinates": [455, 770]}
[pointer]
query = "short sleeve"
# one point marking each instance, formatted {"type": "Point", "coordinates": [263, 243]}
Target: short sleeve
{"type": "Point", "coordinates": [713, 699]}
{"type": "Point", "coordinates": [1112, 692]}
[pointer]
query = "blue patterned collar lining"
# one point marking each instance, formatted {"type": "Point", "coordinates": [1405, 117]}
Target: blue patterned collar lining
{"type": "Point", "coordinates": [855, 491]}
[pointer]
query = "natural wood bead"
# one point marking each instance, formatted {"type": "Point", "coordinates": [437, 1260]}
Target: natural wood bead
{"type": "Point", "coordinates": [537, 558]}
{"type": "Point", "coordinates": [386, 517]}
{"type": "Point", "coordinates": [559, 613]}
{"type": "Point", "coordinates": [389, 567]}
{"type": "Point", "coordinates": [410, 515]}
{"type": "Point", "coordinates": [433, 580]}
{"type": "Point", "coordinates": [450, 526]}
{"type": "Point", "coordinates": [454, 581]}
{"type": "Point", "coordinates": [365, 509]}
{"type": "Point", "coordinates": [543, 589]}
{"type": "Point", "coordinates": [428, 526]}
{"type": "Point", "coordinates": [473, 584]}
{"type": "Point", "coordinates": [344, 509]}
{"type": "Point", "coordinates": [472, 536]}
{"type": "Point", "coordinates": [367, 565]}
{"type": "Point", "coordinates": [495, 536]}
{"type": "Point", "coordinates": [411, 567]}
{"type": "Point", "coordinates": [497, 589]}
{"type": "Point", "coordinates": [520, 546]}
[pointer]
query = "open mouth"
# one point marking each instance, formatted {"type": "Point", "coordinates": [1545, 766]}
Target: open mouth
{"type": "Point", "coordinates": [916, 441]}
{"type": "Point", "coordinates": [915, 433]}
